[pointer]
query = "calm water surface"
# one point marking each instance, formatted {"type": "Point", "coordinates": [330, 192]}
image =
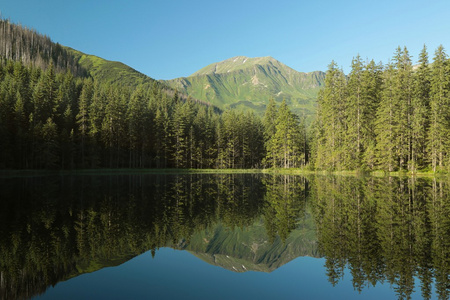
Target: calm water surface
{"type": "Point", "coordinates": [240, 236]}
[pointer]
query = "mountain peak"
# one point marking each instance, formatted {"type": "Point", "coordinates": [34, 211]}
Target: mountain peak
{"type": "Point", "coordinates": [247, 83]}
{"type": "Point", "coordinates": [234, 64]}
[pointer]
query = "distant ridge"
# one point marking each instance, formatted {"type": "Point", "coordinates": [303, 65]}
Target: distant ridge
{"type": "Point", "coordinates": [248, 83]}
{"type": "Point", "coordinates": [249, 249]}
{"type": "Point", "coordinates": [19, 43]}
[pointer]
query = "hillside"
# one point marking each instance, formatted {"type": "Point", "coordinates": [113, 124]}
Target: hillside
{"type": "Point", "coordinates": [248, 83]}
{"type": "Point", "coordinates": [111, 72]}
{"type": "Point", "coordinates": [249, 249]}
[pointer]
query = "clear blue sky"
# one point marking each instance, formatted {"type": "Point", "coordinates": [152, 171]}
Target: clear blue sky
{"type": "Point", "coordinates": [172, 38]}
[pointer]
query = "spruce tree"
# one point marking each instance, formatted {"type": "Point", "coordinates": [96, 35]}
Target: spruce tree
{"type": "Point", "coordinates": [386, 123]}
{"type": "Point", "coordinates": [355, 105]}
{"type": "Point", "coordinates": [332, 120]}
{"type": "Point", "coordinates": [371, 93]}
{"type": "Point", "coordinates": [438, 133]}
{"type": "Point", "coordinates": [82, 117]}
{"type": "Point", "coordinates": [419, 114]}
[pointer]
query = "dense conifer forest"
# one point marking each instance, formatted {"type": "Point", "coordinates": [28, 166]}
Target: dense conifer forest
{"type": "Point", "coordinates": [58, 121]}
{"type": "Point", "coordinates": [54, 114]}
{"type": "Point", "coordinates": [53, 119]}
{"type": "Point", "coordinates": [393, 117]}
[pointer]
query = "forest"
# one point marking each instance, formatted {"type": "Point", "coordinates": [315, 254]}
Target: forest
{"type": "Point", "coordinates": [392, 118]}
{"type": "Point", "coordinates": [373, 230]}
{"type": "Point", "coordinates": [54, 120]}
{"type": "Point", "coordinates": [54, 229]}
{"type": "Point", "coordinates": [54, 114]}
{"type": "Point", "coordinates": [389, 229]}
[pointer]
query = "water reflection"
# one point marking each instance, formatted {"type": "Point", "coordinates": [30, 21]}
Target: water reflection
{"type": "Point", "coordinates": [56, 228]}
{"type": "Point", "coordinates": [385, 230]}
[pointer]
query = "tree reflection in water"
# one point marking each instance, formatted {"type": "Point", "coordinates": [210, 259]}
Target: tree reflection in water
{"type": "Point", "coordinates": [383, 229]}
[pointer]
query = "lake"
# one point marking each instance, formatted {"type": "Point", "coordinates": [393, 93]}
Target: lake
{"type": "Point", "coordinates": [224, 236]}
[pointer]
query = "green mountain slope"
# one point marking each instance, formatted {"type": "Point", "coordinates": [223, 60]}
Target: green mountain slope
{"type": "Point", "coordinates": [120, 74]}
{"type": "Point", "coordinates": [111, 72]}
{"type": "Point", "coordinates": [249, 83]}
{"type": "Point", "coordinates": [250, 249]}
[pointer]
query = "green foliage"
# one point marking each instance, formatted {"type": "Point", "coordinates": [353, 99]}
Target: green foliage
{"type": "Point", "coordinates": [285, 144]}
{"type": "Point", "coordinates": [249, 83]}
{"type": "Point", "coordinates": [112, 116]}
{"type": "Point", "coordinates": [393, 119]}
{"type": "Point", "coordinates": [384, 230]}
{"type": "Point", "coordinates": [61, 122]}
{"type": "Point", "coordinates": [57, 229]}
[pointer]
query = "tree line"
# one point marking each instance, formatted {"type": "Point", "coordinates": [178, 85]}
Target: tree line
{"type": "Point", "coordinates": [379, 230]}
{"type": "Point", "coordinates": [393, 117]}
{"type": "Point", "coordinates": [23, 44]}
{"type": "Point", "coordinates": [54, 120]}
{"type": "Point", "coordinates": [54, 229]}
{"type": "Point", "coordinates": [391, 230]}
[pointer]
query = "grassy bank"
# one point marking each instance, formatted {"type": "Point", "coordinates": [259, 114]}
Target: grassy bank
{"type": "Point", "coordinates": [280, 171]}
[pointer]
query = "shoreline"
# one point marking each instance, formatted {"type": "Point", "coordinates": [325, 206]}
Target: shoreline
{"type": "Point", "coordinates": [104, 171]}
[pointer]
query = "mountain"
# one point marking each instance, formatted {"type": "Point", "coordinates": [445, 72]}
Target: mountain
{"type": "Point", "coordinates": [248, 83]}
{"type": "Point", "coordinates": [250, 249]}
{"type": "Point", "coordinates": [111, 72]}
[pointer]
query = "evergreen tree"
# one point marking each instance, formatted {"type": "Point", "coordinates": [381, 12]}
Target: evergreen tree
{"type": "Point", "coordinates": [49, 149]}
{"type": "Point", "coordinates": [419, 114]}
{"type": "Point", "coordinates": [353, 146]}
{"type": "Point", "coordinates": [138, 126]}
{"type": "Point", "coordinates": [438, 134]}
{"type": "Point", "coordinates": [82, 117]}
{"type": "Point", "coordinates": [182, 122]}
{"type": "Point", "coordinates": [269, 121]}
{"type": "Point", "coordinates": [386, 123]}
{"type": "Point", "coordinates": [332, 120]}
{"type": "Point", "coordinates": [362, 99]}
{"type": "Point", "coordinates": [97, 109]}
{"type": "Point", "coordinates": [284, 146]}
{"type": "Point", "coordinates": [395, 114]}
{"type": "Point", "coordinates": [371, 94]}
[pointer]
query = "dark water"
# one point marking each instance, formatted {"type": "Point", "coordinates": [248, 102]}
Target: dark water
{"type": "Point", "coordinates": [237, 236]}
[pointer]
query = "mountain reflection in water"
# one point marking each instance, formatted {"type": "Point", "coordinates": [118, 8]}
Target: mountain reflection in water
{"type": "Point", "coordinates": [383, 229]}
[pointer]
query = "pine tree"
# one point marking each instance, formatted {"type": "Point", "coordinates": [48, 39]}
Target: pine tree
{"type": "Point", "coordinates": [114, 127]}
{"type": "Point", "coordinates": [50, 147]}
{"type": "Point", "coordinates": [355, 106]}
{"type": "Point", "coordinates": [386, 123]}
{"type": "Point", "coordinates": [137, 118]}
{"type": "Point", "coordinates": [97, 109]}
{"type": "Point", "coordinates": [371, 93]}
{"type": "Point", "coordinates": [82, 117]}
{"type": "Point", "coordinates": [394, 114]}
{"type": "Point", "coordinates": [403, 95]}
{"type": "Point", "coordinates": [255, 140]}
{"type": "Point", "coordinates": [162, 137]}
{"type": "Point", "coordinates": [182, 122]}
{"type": "Point", "coordinates": [419, 114]}
{"type": "Point", "coordinates": [438, 134]}
{"type": "Point", "coordinates": [284, 146]}
{"type": "Point", "coordinates": [229, 142]}
{"type": "Point", "coordinates": [332, 120]}
{"type": "Point", "coordinates": [269, 121]}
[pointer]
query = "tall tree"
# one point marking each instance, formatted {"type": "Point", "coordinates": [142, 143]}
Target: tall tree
{"type": "Point", "coordinates": [284, 147]}
{"type": "Point", "coordinates": [355, 106]}
{"type": "Point", "coordinates": [138, 124]}
{"type": "Point", "coordinates": [332, 120]}
{"type": "Point", "coordinates": [82, 117]}
{"type": "Point", "coordinates": [419, 112]}
{"type": "Point", "coordinates": [394, 113]}
{"type": "Point", "coordinates": [438, 134]}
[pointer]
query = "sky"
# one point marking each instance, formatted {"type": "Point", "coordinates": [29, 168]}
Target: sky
{"type": "Point", "coordinates": [173, 38]}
